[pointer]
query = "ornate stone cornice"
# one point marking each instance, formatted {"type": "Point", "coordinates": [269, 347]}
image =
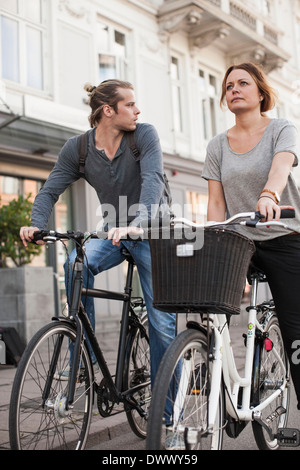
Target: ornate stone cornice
{"type": "Point", "coordinates": [184, 18]}
{"type": "Point", "coordinates": [260, 56]}
{"type": "Point", "coordinates": [203, 37]}
{"type": "Point", "coordinates": [78, 12]}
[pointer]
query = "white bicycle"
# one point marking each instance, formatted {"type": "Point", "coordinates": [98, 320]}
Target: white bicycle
{"type": "Point", "coordinates": [198, 392]}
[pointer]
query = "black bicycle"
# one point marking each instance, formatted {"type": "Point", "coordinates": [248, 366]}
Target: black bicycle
{"type": "Point", "coordinates": [54, 388]}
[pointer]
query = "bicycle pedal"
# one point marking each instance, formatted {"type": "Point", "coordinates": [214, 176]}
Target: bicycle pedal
{"type": "Point", "coordinates": [288, 437]}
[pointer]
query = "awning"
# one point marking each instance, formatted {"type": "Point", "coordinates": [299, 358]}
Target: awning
{"type": "Point", "coordinates": [33, 137]}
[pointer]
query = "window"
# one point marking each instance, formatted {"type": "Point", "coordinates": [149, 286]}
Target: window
{"type": "Point", "coordinates": [297, 26]}
{"type": "Point", "coordinates": [10, 188]}
{"type": "Point", "coordinates": [112, 52]}
{"type": "Point", "coordinates": [266, 8]}
{"type": "Point", "coordinates": [61, 219]}
{"type": "Point", "coordinates": [176, 94]}
{"type": "Point", "coordinates": [209, 102]}
{"type": "Point", "coordinates": [198, 206]}
{"type": "Point", "coordinates": [23, 32]}
{"type": "Point", "coordinates": [212, 93]}
{"type": "Point", "coordinates": [203, 98]}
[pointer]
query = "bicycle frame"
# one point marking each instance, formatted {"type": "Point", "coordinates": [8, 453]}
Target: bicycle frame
{"type": "Point", "coordinates": [78, 315]}
{"type": "Point", "coordinates": [224, 366]}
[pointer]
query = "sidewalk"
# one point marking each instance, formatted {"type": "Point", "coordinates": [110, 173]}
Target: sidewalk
{"type": "Point", "coordinates": [102, 429]}
{"type": "Point", "coordinates": [106, 429]}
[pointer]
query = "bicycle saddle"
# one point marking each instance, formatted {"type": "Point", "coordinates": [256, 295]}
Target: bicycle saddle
{"type": "Point", "coordinates": [127, 255]}
{"type": "Point", "coordinates": [253, 271]}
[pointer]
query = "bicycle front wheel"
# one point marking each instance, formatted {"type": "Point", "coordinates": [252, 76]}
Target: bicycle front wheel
{"type": "Point", "coordinates": [179, 411]}
{"type": "Point", "coordinates": [39, 417]}
{"type": "Point", "coordinates": [272, 374]}
{"type": "Point", "coordinates": [137, 373]}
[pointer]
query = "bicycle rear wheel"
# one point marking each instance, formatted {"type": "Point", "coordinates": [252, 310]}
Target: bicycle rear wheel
{"type": "Point", "coordinates": [178, 414]}
{"type": "Point", "coordinates": [270, 377]}
{"type": "Point", "coordinates": [137, 372]}
{"type": "Point", "coordinates": [39, 418]}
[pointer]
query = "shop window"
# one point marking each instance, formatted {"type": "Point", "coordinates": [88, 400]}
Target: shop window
{"type": "Point", "coordinates": [61, 220]}
{"type": "Point", "coordinates": [197, 204]}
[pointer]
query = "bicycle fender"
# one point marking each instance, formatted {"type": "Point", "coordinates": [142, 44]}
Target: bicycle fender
{"type": "Point", "coordinates": [196, 326]}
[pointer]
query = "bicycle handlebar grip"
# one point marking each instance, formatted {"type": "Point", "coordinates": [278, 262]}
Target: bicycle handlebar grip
{"type": "Point", "coordinates": [38, 236]}
{"type": "Point", "coordinates": [287, 214]}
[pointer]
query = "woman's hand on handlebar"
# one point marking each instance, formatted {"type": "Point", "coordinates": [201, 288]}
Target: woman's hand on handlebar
{"type": "Point", "coordinates": [27, 233]}
{"type": "Point", "coordinates": [269, 209]}
{"type": "Point", "coordinates": [116, 233]}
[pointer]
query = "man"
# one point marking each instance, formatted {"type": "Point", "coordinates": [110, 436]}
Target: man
{"type": "Point", "coordinates": [116, 175]}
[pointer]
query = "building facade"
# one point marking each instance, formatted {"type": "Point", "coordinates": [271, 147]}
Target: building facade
{"type": "Point", "coordinates": [175, 52]}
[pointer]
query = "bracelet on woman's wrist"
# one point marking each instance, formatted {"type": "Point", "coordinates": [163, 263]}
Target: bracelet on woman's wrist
{"type": "Point", "coordinates": [274, 194]}
{"type": "Point", "coordinates": [269, 197]}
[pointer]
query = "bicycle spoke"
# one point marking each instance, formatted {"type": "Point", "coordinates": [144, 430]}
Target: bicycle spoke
{"type": "Point", "coordinates": [45, 422]}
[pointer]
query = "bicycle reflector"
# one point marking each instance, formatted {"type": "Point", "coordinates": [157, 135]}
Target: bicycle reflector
{"type": "Point", "coordinates": [268, 344]}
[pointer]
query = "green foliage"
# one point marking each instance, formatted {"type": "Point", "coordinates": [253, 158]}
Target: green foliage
{"type": "Point", "coordinates": [12, 217]}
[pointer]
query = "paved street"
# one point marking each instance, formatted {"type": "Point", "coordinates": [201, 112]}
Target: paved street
{"type": "Point", "coordinates": [113, 433]}
{"type": "Point", "coordinates": [126, 440]}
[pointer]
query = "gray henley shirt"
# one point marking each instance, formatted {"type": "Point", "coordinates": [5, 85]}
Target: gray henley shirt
{"type": "Point", "coordinates": [139, 183]}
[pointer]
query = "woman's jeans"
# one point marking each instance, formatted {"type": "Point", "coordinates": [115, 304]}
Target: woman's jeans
{"type": "Point", "coordinates": [280, 260]}
{"type": "Point", "coordinates": [102, 255]}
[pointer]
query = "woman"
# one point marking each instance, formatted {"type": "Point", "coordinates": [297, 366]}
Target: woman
{"type": "Point", "coordinates": [248, 168]}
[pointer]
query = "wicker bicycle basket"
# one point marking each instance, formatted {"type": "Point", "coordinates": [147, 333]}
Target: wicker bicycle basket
{"type": "Point", "coordinates": [206, 274]}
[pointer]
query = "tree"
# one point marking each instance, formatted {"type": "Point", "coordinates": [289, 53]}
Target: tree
{"type": "Point", "coordinates": [13, 216]}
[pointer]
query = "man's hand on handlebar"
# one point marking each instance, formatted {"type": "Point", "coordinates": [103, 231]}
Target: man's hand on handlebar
{"type": "Point", "coordinates": [116, 233]}
{"type": "Point", "coordinates": [27, 233]}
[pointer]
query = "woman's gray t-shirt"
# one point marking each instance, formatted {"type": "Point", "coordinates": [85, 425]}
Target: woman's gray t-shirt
{"type": "Point", "coordinates": [244, 175]}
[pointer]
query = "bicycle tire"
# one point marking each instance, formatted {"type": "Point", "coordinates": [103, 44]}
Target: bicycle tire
{"type": "Point", "coordinates": [37, 422]}
{"type": "Point", "coordinates": [187, 353]}
{"type": "Point", "coordinates": [270, 377]}
{"type": "Point", "coordinates": [137, 371]}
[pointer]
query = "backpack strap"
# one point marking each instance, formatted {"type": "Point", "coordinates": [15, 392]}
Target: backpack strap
{"type": "Point", "coordinates": [132, 145]}
{"type": "Point", "coordinates": [83, 140]}
{"type": "Point", "coordinates": [136, 153]}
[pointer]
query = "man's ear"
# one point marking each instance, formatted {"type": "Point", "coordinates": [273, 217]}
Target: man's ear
{"type": "Point", "coordinates": [107, 110]}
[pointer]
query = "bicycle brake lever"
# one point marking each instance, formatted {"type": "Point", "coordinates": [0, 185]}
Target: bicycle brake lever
{"type": "Point", "coordinates": [253, 221]}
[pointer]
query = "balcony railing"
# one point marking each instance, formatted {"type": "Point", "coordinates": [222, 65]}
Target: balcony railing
{"type": "Point", "coordinates": [236, 23]}
{"type": "Point", "coordinates": [243, 15]}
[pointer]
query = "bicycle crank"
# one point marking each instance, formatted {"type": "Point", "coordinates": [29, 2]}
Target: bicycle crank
{"type": "Point", "coordinates": [286, 437]}
{"type": "Point", "coordinates": [105, 401]}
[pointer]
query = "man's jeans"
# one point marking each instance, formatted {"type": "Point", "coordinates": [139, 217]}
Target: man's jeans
{"type": "Point", "coordinates": [102, 255]}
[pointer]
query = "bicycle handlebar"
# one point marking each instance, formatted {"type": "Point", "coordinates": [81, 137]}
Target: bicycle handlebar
{"type": "Point", "coordinates": [251, 219]}
{"type": "Point", "coordinates": [51, 236]}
